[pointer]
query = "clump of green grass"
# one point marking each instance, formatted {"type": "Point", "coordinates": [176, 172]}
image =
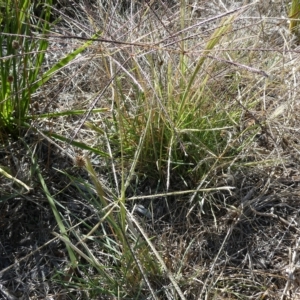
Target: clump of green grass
{"type": "Point", "coordinates": [23, 45]}
{"type": "Point", "coordinates": [175, 123]}
{"type": "Point", "coordinates": [21, 61]}
{"type": "Point", "coordinates": [166, 123]}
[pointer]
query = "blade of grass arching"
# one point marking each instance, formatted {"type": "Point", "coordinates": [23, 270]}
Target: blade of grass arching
{"type": "Point", "coordinates": [88, 191]}
{"type": "Point", "coordinates": [94, 127]}
{"type": "Point", "coordinates": [63, 62]}
{"type": "Point", "coordinates": [76, 144]}
{"type": "Point", "coordinates": [58, 219]}
{"type": "Point", "coordinates": [213, 41]}
{"type": "Point", "coordinates": [101, 194]}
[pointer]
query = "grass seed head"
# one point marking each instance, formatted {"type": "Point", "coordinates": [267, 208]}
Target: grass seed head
{"type": "Point", "coordinates": [79, 161]}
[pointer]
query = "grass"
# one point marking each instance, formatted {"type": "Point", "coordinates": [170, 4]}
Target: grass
{"type": "Point", "coordinates": [294, 16]}
{"type": "Point", "coordinates": [149, 155]}
{"type": "Point", "coordinates": [19, 66]}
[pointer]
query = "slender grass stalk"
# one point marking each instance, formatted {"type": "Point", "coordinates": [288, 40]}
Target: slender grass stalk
{"type": "Point", "coordinates": [62, 63]}
{"type": "Point", "coordinates": [213, 41]}
{"type": "Point", "coordinates": [21, 61]}
{"type": "Point", "coordinates": [56, 214]}
{"type": "Point", "coordinates": [132, 259]}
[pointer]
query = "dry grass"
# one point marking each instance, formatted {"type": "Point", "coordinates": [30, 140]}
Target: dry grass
{"type": "Point", "coordinates": [200, 130]}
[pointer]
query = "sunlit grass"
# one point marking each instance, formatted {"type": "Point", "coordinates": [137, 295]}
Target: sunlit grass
{"type": "Point", "coordinates": [172, 107]}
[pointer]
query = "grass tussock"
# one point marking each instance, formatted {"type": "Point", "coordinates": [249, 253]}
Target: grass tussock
{"type": "Point", "coordinates": [149, 150]}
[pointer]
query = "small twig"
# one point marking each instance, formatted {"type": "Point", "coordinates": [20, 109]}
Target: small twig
{"type": "Point", "coordinates": [272, 215]}
{"type": "Point", "coordinates": [95, 102]}
{"type": "Point", "coordinates": [242, 66]}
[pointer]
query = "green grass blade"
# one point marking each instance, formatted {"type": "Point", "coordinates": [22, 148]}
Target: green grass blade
{"type": "Point", "coordinates": [56, 214]}
{"type": "Point", "coordinates": [63, 62]}
{"type": "Point", "coordinates": [294, 16]}
{"type": "Point", "coordinates": [77, 144]}
{"type": "Point", "coordinates": [213, 41]}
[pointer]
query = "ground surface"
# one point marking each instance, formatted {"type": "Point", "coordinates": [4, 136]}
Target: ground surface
{"type": "Point", "coordinates": [242, 243]}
